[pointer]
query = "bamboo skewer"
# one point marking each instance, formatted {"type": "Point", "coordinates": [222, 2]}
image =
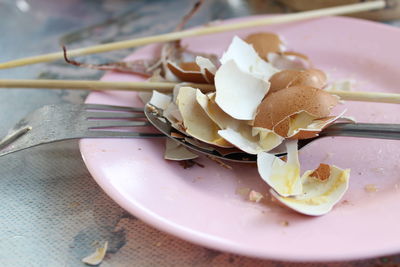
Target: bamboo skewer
{"type": "Point", "coordinates": [168, 86]}
{"type": "Point", "coordinates": [367, 96]}
{"type": "Point", "coordinates": [98, 85]}
{"type": "Point", "coordinates": [339, 10]}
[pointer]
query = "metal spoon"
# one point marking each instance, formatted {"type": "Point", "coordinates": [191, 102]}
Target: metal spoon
{"type": "Point", "coordinates": [365, 130]}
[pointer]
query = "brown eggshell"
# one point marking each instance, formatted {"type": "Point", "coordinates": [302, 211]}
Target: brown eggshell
{"type": "Point", "coordinates": [322, 172]}
{"type": "Point", "coordinates": [278, 106]}
{"type": "Point", "coordinates": [312, 77]}
{"type": "Point", "coordinates": [264, 43]}
{"type": "Point", "coordinates": [209, 76]}
{"type": "Point", "coordinates": [189, 66]}
{"type": "Point", "coordinates": [287, 78]}
{"type": "Point", "coordinates": [282, 79]}
{"type": "Point", "coordinates": [187, 72]}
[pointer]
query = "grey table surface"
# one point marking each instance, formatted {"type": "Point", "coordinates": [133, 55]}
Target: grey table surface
{"type": "Point", "coordinates": [52, 213]}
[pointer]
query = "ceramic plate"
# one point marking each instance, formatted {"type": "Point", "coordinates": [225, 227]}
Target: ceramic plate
{"type": "Point", "coordinates": [202, 205]}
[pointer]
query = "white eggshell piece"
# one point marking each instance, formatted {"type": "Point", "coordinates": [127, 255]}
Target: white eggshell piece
{"type": "Point", "coordinates": [176, 151]}
{"type": "Point", "coordinates": [247, 59]}
{"type": "Point", "coordinates": [97, 257]}
{"type": "Point", "coordinates": [283, 177]}
{"type": "Point", "coordinates": [223, 120]}
{"type": "Point", "coordinates": [205, 63]}
{"type": "Point", "coordinates": [160, 100]}
{"type": "Point", "coordinates": [239, 93]}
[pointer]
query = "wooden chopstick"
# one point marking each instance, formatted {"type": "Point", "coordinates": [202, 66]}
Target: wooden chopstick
{"type": "Point", "coordinates": [339, 10]}
{"type": "Point", "coordinates": [168, 86]}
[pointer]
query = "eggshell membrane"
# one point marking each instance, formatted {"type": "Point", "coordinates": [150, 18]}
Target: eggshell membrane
{"type": "Point", "coordinates": [289, 60]}
{"type": "Point", "coordinates": [239, 93]}
{"type": "Point", "coordinates": [176, 151]}
{"type": "Point", "coordinates": [188, 72]}
{"type": "Point", "coordinates": [318, 197]}
{"type": "Point", "coordinates": [314, 128]}
{"type": "Point", "coordinates": [247, 59]}
{"type": "Point", "coordinates": [287, 78]}
{"type": "Point", "coordinates": [278, 106]}
{"type": "Point", "coordinates": [267, 139]}
{"type": "Point", "coordinates": [264, 43]}
{"type": "Point", "coordinates": [283, 177]}
{"type": "Point", "coordinates": [195, 120]}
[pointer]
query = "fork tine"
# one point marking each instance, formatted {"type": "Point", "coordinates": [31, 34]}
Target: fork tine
{"type": "Point", "coordinates": [113, 115]}
{"type": "Point", "coordinates": [115, 134]}
{"type": "Point", "coordinates": [112, 108]}
{"type": "Point", "coordinates": [108, 124]}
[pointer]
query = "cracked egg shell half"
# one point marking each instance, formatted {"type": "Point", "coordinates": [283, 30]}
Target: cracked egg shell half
{"type": "Point", "coordinates": [275, 110]}
{"type": "Point", "coordinates": [287, 78]}
{"type": "Point", "coordinates": [321, 190]}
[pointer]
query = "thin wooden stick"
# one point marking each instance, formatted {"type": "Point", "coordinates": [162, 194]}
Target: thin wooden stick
{"type": "Point", "coordinates": [368, 96]}
{"type": "Point", "coordinates": [98, 85]}
{"type": "Point", "coordinates": [168, 86]}
{"type": "Point", "coordinates": [340, 10]}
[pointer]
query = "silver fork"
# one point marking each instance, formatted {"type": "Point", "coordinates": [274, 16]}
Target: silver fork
{"type": "Point", "coordinates": [54, 123]}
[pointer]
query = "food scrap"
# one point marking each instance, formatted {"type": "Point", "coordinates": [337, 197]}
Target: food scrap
{"type": "Point", "coordinates": [255, 196]}
{"type": "Point", "coordinates": [265, 97]}
{"type": "Point", "coordinates": [97, 257]}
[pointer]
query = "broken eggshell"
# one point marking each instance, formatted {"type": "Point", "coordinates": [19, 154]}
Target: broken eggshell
{"type": "Point", "coordinates": [283, 177]}
{"type": "Point", "coordinates": [195, 121]}
{"type": "Point", "coordinates": [319, 195]}
{"type": "Point", "coordinates": [288, 78]}
{"type": "Point", "coordinates": [274, 111]}
{"type": "Point", "coordinates": [176, 151]}
{"type": "Point", "coordinates": [187, 72]}
{"type": "Point", "coordinates": [238, 133]}
{"type": "Point", "coordinates": [289, 60]}
{"type": "Point", "coordinates": [247, 59]}
{"type": "Point", "coordinates": [239, 93]}
{"type": "Point", "coordinates": [265, 43]}
{"type": "Point", "coordinates": [303, 125]}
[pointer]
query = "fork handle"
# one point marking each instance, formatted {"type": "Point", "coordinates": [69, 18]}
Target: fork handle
{"type": "Point", "coordinates": [367, 130]}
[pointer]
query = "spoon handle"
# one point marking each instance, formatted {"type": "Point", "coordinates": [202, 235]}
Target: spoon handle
{"type": "Point", "coordinates": [366, 130]}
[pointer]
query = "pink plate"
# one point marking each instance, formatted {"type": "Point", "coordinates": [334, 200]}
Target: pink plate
{"type": "Point", "coordinates": [201, 204]}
